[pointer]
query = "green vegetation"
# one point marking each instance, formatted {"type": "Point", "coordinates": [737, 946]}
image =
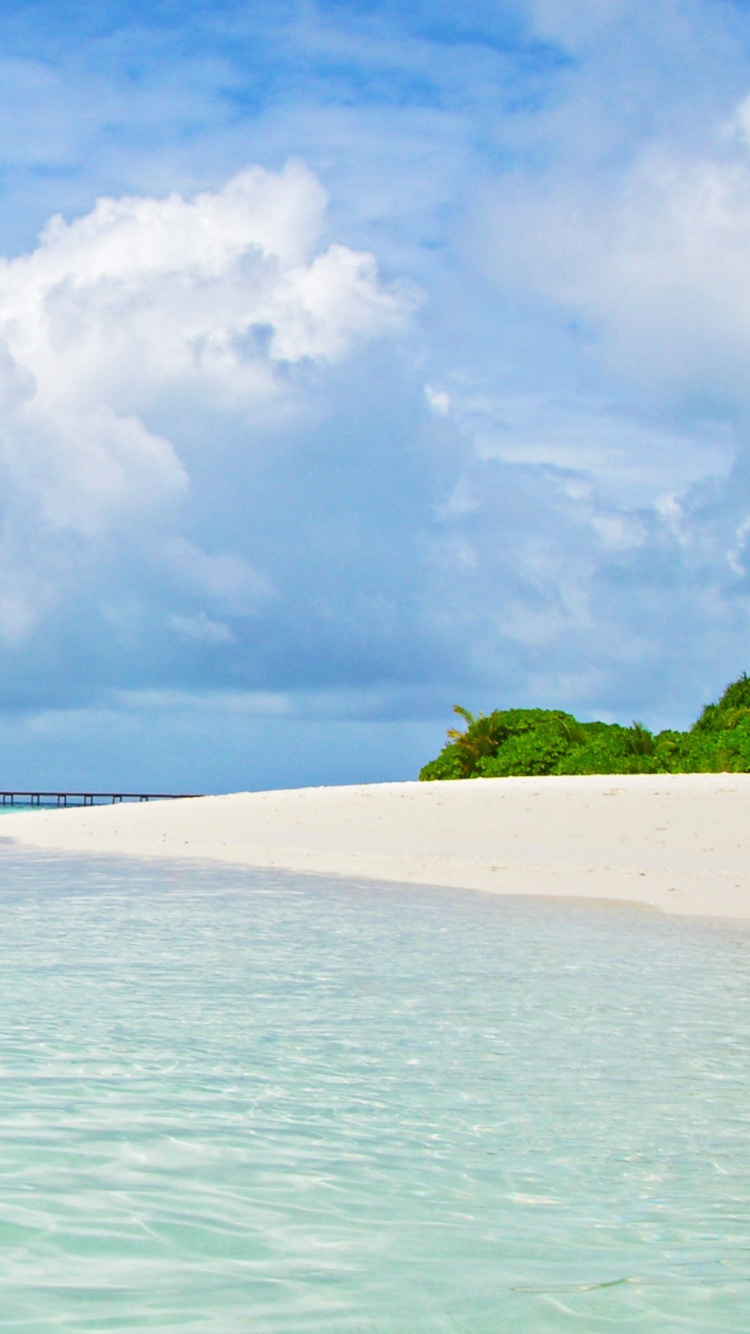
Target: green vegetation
{"type": "Point", "coordinates": [549, 741]}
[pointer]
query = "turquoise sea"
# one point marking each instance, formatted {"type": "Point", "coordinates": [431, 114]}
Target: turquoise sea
{"type": "Point", "coordinates": [234, 1101]}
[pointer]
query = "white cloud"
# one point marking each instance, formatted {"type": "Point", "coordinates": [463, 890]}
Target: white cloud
{"type": "Point", "coordinates": [225, 579]}
{"type": "Point", "coordinates": [145, 296]}
{"type": "Point", "coordinates": [655, 261]}
{"type": "Point", "coordinates": [600, 445]}
{"type": "Point", "coordinates": [438, 401]}
{"type": "Point", "coordinates": [140, 310]}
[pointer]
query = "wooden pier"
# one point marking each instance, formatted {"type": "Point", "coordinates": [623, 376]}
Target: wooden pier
{"type": "Point", "coordinates": [88, 798]}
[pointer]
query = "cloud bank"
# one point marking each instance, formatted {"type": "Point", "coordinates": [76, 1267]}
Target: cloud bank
{"type": "Point", "coordinates": [451, 407]}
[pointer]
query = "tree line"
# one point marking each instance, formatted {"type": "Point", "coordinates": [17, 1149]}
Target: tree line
{"type": "Point", "coordinates": [529, 742]}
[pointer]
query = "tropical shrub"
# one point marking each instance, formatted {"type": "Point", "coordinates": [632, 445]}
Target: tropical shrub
{"type": "Point", "coordinates": [551, 741]}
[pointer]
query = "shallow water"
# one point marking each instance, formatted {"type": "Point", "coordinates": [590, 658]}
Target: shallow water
{"type": "Point", "coordinates": [235, 1101]}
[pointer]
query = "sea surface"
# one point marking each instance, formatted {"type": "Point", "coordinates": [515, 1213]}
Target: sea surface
{"type": "Point", "coordinates": [238, 1102]}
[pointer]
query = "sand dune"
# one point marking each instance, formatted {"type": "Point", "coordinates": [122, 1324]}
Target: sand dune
{"type": "Point", "coordinates": [678, 843]}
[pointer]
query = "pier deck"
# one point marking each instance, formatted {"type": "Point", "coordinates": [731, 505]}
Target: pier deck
{"type": "Point", "coordinates": [86, 798]}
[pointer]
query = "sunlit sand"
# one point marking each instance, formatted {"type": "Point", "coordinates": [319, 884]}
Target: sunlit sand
{"type": "Point", "coordinates": [677, 843]}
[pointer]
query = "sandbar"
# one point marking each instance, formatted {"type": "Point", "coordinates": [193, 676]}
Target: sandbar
{"type": "Point", "coordinates": [675, 843]}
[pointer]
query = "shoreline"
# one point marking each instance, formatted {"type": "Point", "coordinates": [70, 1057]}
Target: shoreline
{"type": "Point", "coordinates": [677, 843]}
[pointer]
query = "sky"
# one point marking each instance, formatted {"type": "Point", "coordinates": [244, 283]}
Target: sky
{"type": "Point", "coordinates": [362, 359]}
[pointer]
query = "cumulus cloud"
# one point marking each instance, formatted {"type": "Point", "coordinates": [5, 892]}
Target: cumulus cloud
{"type": "Point", "coordinates": [146, 296]}
{"type": "Point", "coordinates": [139, 312]}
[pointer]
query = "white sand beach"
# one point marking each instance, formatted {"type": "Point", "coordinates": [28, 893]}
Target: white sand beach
{"type": "Point", "coordinates": [676, 843]}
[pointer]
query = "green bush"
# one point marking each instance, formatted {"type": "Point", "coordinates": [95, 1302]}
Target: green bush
{"type": "Point", "coordinates": [611, 749]}
{"type": "Point", "coordinates": [447, 765]}
{"type": "Point", "coordinates": [537, 752]}
{"type": "Point", "coordinates": [549, 741]}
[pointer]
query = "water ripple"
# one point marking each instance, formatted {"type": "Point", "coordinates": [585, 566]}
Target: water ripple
{"type": "Point", "coordinates": [234, 1101]}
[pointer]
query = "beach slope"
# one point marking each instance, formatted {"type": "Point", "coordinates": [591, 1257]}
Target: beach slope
{"type": "Point", "coordinates": [677, 843]}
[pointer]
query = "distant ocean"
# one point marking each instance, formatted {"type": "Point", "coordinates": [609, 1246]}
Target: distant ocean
{"type": "Point", "coordinates": [238, 1101]}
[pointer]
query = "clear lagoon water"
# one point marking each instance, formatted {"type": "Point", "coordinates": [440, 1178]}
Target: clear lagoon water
{"type": "Point", "coordinates": [234, 1101]}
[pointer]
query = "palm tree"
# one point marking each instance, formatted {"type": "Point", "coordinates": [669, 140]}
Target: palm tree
{"type": "Point", "coordinates": [483, 736]}
{"type": "Point", "coordinates": [640, 741]}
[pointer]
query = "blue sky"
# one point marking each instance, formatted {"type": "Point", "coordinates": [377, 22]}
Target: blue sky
{"type": "Point", "coordinates": [361, 359]}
